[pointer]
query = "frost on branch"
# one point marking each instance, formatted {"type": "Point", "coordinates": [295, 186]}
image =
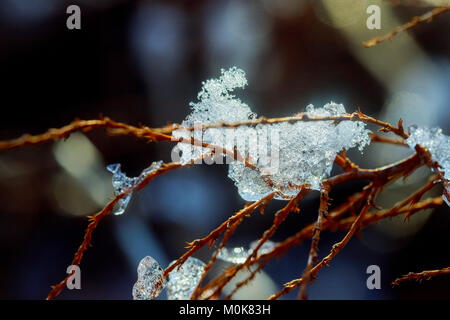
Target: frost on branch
{"type": "Point", "coordinates": [183, 281]}
{"type": "Point", "coordinates": [437, 143]}
{"type": "Point", "coordinates": [306, 154]}
{"type": "Point", "coordinates": [150, 281]}
{"type": "Point", "coordinates": [300, 153]}
{"type": "Point", "coordinates": [121, 183]}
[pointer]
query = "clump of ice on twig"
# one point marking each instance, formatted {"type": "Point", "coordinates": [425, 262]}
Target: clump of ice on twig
{"type": "Point", "coordinates": [121, 182]}
{"type": "Point", "coordinates": [216, 104]}
{"type": "Point", "coordinates": [306, 154]}
{"type": "Point", "coordinates": [437, 143]}
{"type": "Point", "coordinates": [239, 255]}
{"type": "Point", "coordinates": [150, 281]}
{"type": "Point", "coordinates": [180, 284]}
{"type": "Point", "coordinates": [303, 152]}
{"type": "Point", "coordinates": [183, 281]}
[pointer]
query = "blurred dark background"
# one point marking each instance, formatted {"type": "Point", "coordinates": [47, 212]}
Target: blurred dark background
{"type": "Point", "coordinates": [143, 62]}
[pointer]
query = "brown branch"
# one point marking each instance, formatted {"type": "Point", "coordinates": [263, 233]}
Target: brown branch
{"type": "Point", "coordinates": [215, 234]}
{"type": "Point", "coordinates": [344, 224]}
{"type": "Point", "coordinates": [213, 259]}
{"type": "Point", "coordinates": [161, 134]}
{"type": "Point", "coordinates": [407, 206]}
{"type": "Point", "coordinates": [386, 173]}
{"type": "Point", "coordinates": [85, 126]}
{"type": "Point", "coordinates": [430, 15]}
{"type": "Point", "coordinates": [219, 283]}
{"type": "Point", "coordinates": [424, 275]}
{"type": "Point", "coordinates": [288, 287]}
{"type": "Point", "coordinates": [382, 139]}
{"type": "Point", "coordinates": [313, 252]}
{"type": "Point", "coordinates": [279, 249]}
{"type": "Point", "coordinates": [304, 117]}
{"type": "Point", "coordinates": [95, 219]}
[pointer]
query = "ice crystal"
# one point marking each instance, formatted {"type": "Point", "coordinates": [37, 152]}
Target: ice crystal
{"type": "Point", "coordinates": [265, 248]}
{"type": "Point", "coordinates": [437, 143]}
{"type": "Point", "coordinates": [306, 154]}
{"type": "Point", "coordinates": [121, 183]}
{"type": "Point", "coordinates": [150, 281]}
{"type": "Point", "coordinates": [183, 281]}
{"type": "Point", "coordinates": [216, 105]}
{"type": "Point", "coordinates": [300, 153]}
{"type": "Point", "coordinates": [238, 255]}
{"type": "Point", "coordinates": [445, 198]}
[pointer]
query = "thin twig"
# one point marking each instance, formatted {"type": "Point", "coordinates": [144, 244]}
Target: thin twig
{"type": "Point", "coordinates": [430, 15]}
{"type": "Point", "coordinates": [313, 252]}
{"type": "Point", "coordinates": [288, 287]}
{"type": "Point", "coordinates": [420, 276]}
{"type": "Point", "coordinates": [220, 282]}
{"type": "Point", "coordinates": [85, 126]}
{"type": "Point", "coordinates": [95, 219]}
{"type": "Point", "coordinates": [301, 117]}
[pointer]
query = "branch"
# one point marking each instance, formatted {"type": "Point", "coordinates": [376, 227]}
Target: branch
{"type": "Point", "coordinates": [215, 234]}
{"type": "Point", "coordinates": [355, 116]}
{"type": "Point", "coordinates": [313, 252]}
{"type": "Point", "coordinates": [344, 224]}
{"type": "Point", "coordinates": [288, 287]}
{"type": "Point", "coordinates": [411, 24]}
{"type": "Point", "coordinates": [85, 126]}
{"type": "Point", "coordinates": [95, 220]}
{"type": "Point", "coordinates": [220, 282]}
{"type": "Point", "coordinates": [424, 275]}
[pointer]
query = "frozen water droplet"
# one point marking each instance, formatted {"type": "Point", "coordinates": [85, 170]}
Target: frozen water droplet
{"type": "Point", "coordinates": [445, 199]}
{"type": "Point", "coordinates": [113, 167]}
{"type": "Point", "coordinates": [236, 255]}
{"type": "Point", "coordinates": [150, 281]}
{"type": "Point", "coordinates": [239, 254]}
{"type": "Point", "coordinates": [147, 171]}
{"type": "Point", "coordinates": [183, 281]}
{"type": "Point", "coordinates": [121, 183]}
{"type": "Point", "coordinates": [265, 248]}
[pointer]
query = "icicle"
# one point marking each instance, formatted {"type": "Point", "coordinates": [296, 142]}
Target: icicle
{"type": "Point", "coordinates": [121, 183]}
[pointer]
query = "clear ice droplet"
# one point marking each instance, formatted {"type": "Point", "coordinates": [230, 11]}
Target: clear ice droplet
{"type": "Point", "coordinates": [239, 255]}
{"type": "Point", "coordinates": [121, 183]}
{"type": "Point", "coordinates": [235, 255]}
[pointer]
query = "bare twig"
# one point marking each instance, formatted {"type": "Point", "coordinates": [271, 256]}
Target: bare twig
{"type": "Point", "coordinates": [411, 24]}
{"type": "Point", "coordinates": [95, 219]}
{"type": "Point", "coordinates": [313, 252]}
{"type": "Point", "coordinates": [424, 275]}
{"type": "Point", "coordinates": [288, 287]}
